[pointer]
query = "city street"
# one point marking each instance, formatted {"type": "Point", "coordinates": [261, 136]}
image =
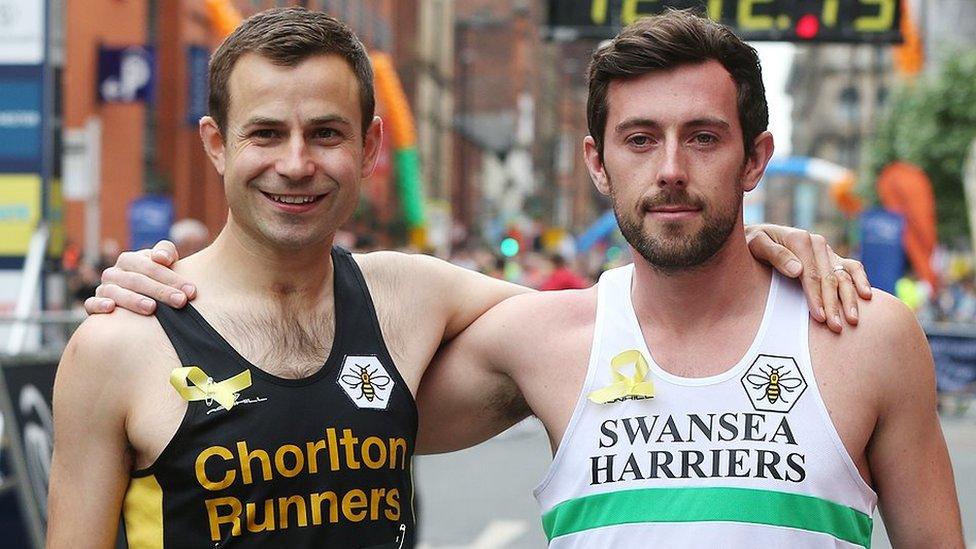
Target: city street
{"type": "Point", "coordinates": [339, 188]}
{"type": "Point", "coordinates": [482, 498]}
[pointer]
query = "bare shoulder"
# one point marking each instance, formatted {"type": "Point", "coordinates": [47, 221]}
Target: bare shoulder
{"type": "Point", "coordinates": [112, 338]}
{"type": "Point", "coordinates": [108, 366]}
{"type": "Point", "coordinates": [886, 352]}
{"type": "Point", "coordinates": [887, 332]}
{"type": "Point", "coordinates": [895, 345]}
{"type": "Point", "coordinates": [885, 314]}
{"type": "Point", "coordinates": [113, 348]}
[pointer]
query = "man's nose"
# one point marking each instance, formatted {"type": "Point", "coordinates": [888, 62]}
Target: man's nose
{"type": "Point", "coordinates": [296, 163]}
{"type": "Point", "coordinates": [672, 170]}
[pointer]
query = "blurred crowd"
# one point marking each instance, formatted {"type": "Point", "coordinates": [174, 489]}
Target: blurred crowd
{"type": "Point", "coordinates": [542, 258]}
{"type": "Point", "coordinates": [84, 273]}
{"type": "Point", "coordinates": [955, 299]}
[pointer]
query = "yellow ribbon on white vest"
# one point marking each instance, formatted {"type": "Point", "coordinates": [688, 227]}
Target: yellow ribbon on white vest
{"type": "Point", "coordinates": [625, 387]}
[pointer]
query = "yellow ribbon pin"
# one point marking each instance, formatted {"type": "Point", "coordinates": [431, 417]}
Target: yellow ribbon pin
{"type": "Point", "coordinates": [624, 387]}
{"type": "Point", "coordinates": [204, 388]}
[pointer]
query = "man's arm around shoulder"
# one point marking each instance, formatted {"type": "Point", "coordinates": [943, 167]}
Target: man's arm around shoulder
{"type": "Point", "coordinates": [91, 463]}
{"type": "Point", "coordinates": [452, 296]}
{"type": "Point", "coordinates": [467, 394]}
{"type": "Point", "coordinates": [907, 452]}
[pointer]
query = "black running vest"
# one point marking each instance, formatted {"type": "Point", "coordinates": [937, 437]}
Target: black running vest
{"type": "Point", "coordinates": [323, 461]}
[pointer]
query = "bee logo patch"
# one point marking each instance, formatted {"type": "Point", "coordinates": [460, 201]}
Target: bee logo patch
{"type": "Point", "coordinates": [366, 381]}
{"type": "Point", "coordinates": [774, 383]}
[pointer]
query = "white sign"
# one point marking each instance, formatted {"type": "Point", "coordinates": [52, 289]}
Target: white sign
{"type": "Point", "coordinates": [81, 161]}
{"type": "Point", "coordinates": [21, 32]}
{"type": "Point", "coordinates": [10, 285]}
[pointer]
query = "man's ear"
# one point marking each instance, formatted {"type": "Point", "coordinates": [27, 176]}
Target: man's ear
{"type": "Point", "coordinates": [594, 165]}
{"type": "Point", "coordinates": [372, 143]}
{"type": "Point", "coordinates": [756, 162]}
{"type": "Point", "coordinates": [213, 142]}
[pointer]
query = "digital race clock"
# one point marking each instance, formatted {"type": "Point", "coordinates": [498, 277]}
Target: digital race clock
{"type": "Point", "coordinates": [872, 21]}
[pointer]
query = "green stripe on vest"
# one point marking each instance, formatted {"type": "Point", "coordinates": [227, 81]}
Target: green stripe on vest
{"type": "Point", "coordinates": [709, 505]}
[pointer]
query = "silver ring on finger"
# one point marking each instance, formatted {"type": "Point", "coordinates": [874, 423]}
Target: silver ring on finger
{"type": "Point", "coordinates": [839, 268]}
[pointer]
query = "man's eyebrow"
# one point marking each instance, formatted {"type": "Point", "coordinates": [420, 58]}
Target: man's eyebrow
{"type": "Point", "coordinates": [709, 121]}
{"type": "Point", "coordinates": [329, 119]}
{"type": "Point", "coordinates": [316, 121]}
{"type": "Point", "coordinates": [631, 123]}
{"type": "Point", "coordinates": [263, 121]}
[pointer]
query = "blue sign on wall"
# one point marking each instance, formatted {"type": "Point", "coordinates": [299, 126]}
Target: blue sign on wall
{"type": "Point", "coordinates": [955, 362]}
{"type": "Point", "coordinates": [881, 247]}
{"type": "Point", "coordinates": [150, 218]}
{"type": "Point", "coordinates": [126, 75]}
{"type": "Point", "coordinates": [197, 59]}
{"type": "Point", "coordinates": [20, 124]}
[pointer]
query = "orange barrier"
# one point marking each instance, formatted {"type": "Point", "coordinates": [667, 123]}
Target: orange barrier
{"type": "Point", "coordinates": [905, 189]}
{"type": "Point", "coordinates": [223, 16]}
{"type": "Point", "coordinates": [910, 55]}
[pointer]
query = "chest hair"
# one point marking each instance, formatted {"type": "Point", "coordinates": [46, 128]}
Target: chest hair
{"type": "Point", "coordinates": [283, 343]}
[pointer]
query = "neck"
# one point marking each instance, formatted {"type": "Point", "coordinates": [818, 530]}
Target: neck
{"type": "Point", "coordinates": [727, 286]}
{"type": "Point", "coordinates": [253, 268]}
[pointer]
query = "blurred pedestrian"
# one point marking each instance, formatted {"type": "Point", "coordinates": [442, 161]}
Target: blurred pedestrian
{"type": "Point", "coordinates": [562, 277]}
{"type": "Point", "coordinates": [189, 236]}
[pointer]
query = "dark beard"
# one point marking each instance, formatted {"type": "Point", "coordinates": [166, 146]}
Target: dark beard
{"type": "Point", "coordinates": [672, 254]}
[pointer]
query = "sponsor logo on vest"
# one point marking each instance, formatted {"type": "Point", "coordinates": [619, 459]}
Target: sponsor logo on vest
{"type": "Point", "coordinates": [774, 383]}
{"type": "Point", "coordinates": [365, 380]}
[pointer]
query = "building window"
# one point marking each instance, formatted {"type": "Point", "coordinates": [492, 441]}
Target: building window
{"type": "Point", "coordinates": [849, 100]}
{"type": "Point", "coordinates": [882, 95]}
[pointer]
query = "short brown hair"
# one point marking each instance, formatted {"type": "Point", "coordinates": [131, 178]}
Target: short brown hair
{"type": "Point", "coordinates": [669, 40]}
{"type": "Point", "coordinates": [286, 37]}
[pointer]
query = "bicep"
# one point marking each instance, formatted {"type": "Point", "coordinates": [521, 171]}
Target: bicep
{"type": "Point", "coordinates": [907, 454]}
{"type": "Point", "coordinates": [464, 397]}
{"type": "Point", "coordinates": [91, 462]}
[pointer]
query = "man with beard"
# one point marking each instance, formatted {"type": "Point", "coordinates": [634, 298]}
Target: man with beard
{"type": "Point", "coordinates": [687, 397]}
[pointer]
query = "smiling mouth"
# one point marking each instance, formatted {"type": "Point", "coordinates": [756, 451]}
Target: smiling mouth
{"type": "Point", "coordinates": [294, 198]}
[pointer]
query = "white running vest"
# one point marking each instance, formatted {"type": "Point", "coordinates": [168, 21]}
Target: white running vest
{"type": "Point", "coordinates": [745, 458]}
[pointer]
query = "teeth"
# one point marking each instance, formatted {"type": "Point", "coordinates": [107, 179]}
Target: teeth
{"type": "Point", "coordinates": [291, 199]}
